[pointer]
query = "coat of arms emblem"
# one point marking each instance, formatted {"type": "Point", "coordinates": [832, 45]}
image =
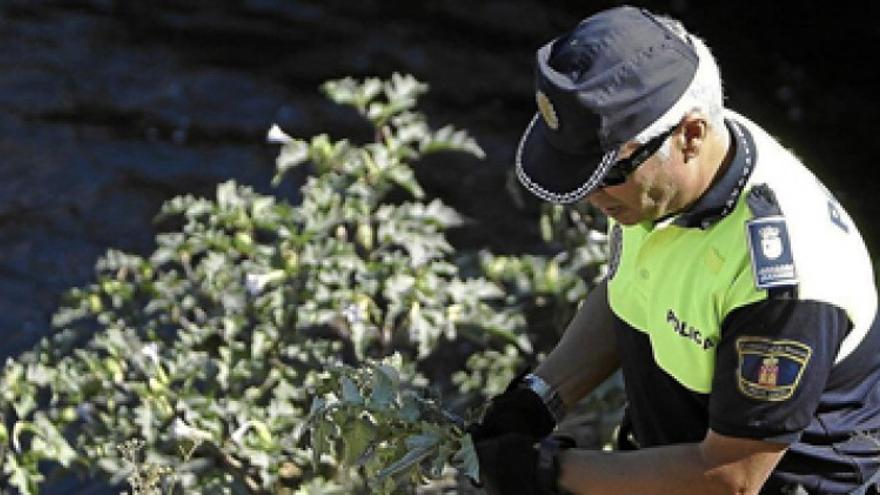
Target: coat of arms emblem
{"type": "Point", "coordinates": [769, 372]}
{"type": "Point", "coordinates": [771, 243]}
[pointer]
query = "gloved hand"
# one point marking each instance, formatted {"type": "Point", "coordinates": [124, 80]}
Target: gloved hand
{"type": "Point", "coordinates": [516, 410]}
{"type": "Point", "coordinates": [513, 464]}
{"type": "Point", "coordinates": [509, 465]}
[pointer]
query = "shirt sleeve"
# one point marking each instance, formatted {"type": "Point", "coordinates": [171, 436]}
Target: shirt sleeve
{"type": "Point", "coordinates": [773, 361]}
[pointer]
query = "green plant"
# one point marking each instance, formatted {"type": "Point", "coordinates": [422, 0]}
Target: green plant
{"type": "Point", "coordinates": [146, 478]}
{"type": "Point", "coordinates": [396, 442]}
{"type": "Point", "coordinates": [395, 436]}
{"type": "Point", "coordinates": [257, 336]}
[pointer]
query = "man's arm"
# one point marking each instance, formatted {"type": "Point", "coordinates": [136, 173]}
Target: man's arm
{"type": "Point", "coordinates": [587, 353]}
{"type": "Point", "coordinates": [585, 356]}
{"type": "Point", "coordinates": [717, 465]}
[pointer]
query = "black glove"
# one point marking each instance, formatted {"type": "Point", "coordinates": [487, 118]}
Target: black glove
{"type": "Point", "coordinates": [517, 410]}
{"type": "Point", "coordinates": [509, 465]}
{"type": "Point", "coordinates": [513, 464]}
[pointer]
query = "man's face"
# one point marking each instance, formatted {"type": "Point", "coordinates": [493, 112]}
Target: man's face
{"type": "Point", "coordinates": [646, 194]}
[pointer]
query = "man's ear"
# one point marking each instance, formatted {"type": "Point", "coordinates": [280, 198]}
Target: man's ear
{"type": "Point", "coordinates": [694, 131]}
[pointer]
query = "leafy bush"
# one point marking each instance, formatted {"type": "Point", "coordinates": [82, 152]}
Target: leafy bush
{"type": "Point", "coordinates": [265, 347]}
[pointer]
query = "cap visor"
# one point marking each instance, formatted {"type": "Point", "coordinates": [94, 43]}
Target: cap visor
{"type": "Point", "coordinates": [553, 174]}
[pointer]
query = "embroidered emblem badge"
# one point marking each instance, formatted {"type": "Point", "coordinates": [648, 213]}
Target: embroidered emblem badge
{"type": "Point", "coordinates": [615, 244]}
{"type": "Point", "coordinates": [772, 259]}
{"type": "Point", "coordinates": [770, 370]}
{"type": "Point", "coordinates": [771, 244]}
{"type": "Point", "coordinates": [545, 106]}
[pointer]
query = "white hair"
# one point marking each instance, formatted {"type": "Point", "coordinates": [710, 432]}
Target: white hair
{"type": "Point", "coordinates": [704, 94]}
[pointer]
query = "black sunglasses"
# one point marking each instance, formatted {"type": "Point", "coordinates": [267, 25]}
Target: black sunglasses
{"type": "Point", "coordinates": [621, 169]}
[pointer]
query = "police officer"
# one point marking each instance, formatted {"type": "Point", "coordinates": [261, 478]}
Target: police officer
{"type": "Point", "coordinates": [740, 302]}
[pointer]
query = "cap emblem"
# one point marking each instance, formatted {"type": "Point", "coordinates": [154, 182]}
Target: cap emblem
{"type": "Point", "coordinates": [545, 106]}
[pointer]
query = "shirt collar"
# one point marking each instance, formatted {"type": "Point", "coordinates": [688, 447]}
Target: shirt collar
{"type": "Point", "coordinates": [722, 197]}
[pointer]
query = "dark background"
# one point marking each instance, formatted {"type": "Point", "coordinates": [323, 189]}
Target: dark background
{"type": "Point", "coordinates": [108, 108]}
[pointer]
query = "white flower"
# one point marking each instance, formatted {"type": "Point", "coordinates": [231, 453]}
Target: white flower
{"type": "Point", "coordinates": [186, 432]}
{"type": "Point", "coordinates": [256, 282]}
{"type": "Point", "coordinates": [276, 135]}
{"type": "Point", "coordinates": [151, 351]}
{"type": "Point", "coordinates": [353, 314]}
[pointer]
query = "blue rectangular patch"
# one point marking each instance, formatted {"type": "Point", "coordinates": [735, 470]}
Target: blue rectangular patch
{"type": "Point", "coordinates": [772, 259]}
{"type": "Point", "coordinates": [770, 370]}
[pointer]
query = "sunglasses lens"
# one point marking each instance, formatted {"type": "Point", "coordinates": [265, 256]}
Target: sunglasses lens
{"type": "Point", "coordinates": [613, 178]}
{"type": "Point", "coordinates": [620, 171]}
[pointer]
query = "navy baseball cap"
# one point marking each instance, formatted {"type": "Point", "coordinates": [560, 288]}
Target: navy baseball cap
{"type": "Point", "coordinates": [597, 87]}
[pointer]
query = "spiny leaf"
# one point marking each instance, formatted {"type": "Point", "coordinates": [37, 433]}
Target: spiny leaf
{"type": "Point", "coordinates": [350, 393]}
{"type": "Point", "coordinates": [466, 460]}
{"type": "Point", "coordinates": [357, 435]}
{"type": "Point", "coordinates": [292, 154]}
{"type": "Point", "coordinates": [385, 384]}
{"type": "Point", "coordinates": [422, 440]}
{"type": "Point", "coordinates": [410, 459]}
{"type": "Point", "coordinates": [450, 139]}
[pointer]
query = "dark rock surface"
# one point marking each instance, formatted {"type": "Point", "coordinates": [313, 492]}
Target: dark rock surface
{"type": "Point", "coordinates": [110, 107]}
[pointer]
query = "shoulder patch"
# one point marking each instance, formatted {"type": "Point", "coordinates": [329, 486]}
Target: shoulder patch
{"type": "Point", "coordinates": [770, 370]}
{"type": "Point", "coordinates": [772, 259]}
